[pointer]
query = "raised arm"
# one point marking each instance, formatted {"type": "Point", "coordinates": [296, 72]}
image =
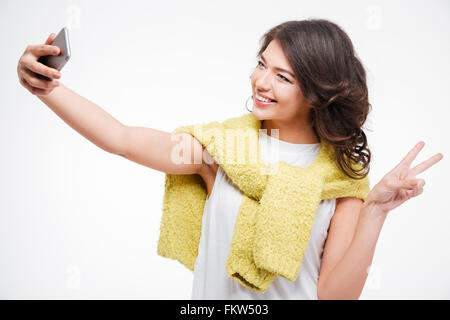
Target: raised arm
{"type": "Point", "coordinates": [179, 153]}
{"type": "Point", "coordinates": [159, 150]}
{"type": "Point", "coordinates": [85, 117]}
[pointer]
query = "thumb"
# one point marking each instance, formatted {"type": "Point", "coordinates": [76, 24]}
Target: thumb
{"type": "Point", "coordinates": [413, 183]}
{"type": "Point", "coordinates": [410, 184]}
{"type": "Point", "coordinates": [50, 38]}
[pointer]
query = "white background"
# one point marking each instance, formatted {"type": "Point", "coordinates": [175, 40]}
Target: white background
{"type": "Point", "coordinates": [77, 222]}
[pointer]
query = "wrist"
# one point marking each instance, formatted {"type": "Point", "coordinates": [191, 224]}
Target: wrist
{"type": "Point", "coordinates": [372, 209]}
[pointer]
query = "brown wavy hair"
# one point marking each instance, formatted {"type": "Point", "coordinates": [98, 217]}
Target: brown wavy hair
{"type": "Point", "coordinates": [333, 81]}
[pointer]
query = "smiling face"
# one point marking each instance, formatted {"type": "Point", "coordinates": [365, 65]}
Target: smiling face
{"type": "Point", "coordinates": [269, 80]}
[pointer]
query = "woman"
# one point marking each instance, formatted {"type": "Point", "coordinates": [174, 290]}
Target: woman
{"type": "Point", "coordinates": [308, 86]}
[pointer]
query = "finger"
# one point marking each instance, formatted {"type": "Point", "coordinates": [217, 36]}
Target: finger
{"type": "Point", "coordinates": [34, 81]}
{"type": "Point", "coordinates": [414, 193]}
{"type": "Point", "coordinates": [35, 91]}
{"type": "Point", "coordinates": [409, 184]}
{"type": "Point", "coordinates": [420, 183]}
{"type": "Point", "coordinates": [412, 184]}
{"type": "Point", "coordinates": [412, 154]}
{"type": "Point", "coordinates": [44, 50]}
{"type": "Point", "coordinates": [426, 164]}
{"type": "Point", "coordinates": [41, 68]}
{"type": "Point", "coordinates": [50, 38]}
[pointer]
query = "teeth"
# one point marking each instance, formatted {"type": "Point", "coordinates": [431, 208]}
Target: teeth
{"type": "Point", "coordinates": [262, 99]}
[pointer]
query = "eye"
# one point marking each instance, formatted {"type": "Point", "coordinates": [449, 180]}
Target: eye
{"type": "Point", "coordinates": [284, 78]}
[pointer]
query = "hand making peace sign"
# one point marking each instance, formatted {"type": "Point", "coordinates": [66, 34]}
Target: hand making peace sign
{"type": "Point", "coordinates": [401, 184]}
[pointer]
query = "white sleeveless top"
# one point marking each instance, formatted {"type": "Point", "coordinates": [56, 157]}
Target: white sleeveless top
{"type": "Point", "coordinates": [220, 212]}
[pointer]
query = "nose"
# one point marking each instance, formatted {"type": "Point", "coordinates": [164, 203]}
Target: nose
{"type": "Point", "coordinates": [263, 81]}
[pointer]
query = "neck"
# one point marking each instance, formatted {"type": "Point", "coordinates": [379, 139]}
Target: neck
{"type": "Point", "coordinates": [291, 132]}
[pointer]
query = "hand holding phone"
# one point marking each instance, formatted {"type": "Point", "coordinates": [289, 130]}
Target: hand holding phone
{"type": "Point", "coordinates": [34, 73]}
{"type": "Point", "coordinates": [57, 61]}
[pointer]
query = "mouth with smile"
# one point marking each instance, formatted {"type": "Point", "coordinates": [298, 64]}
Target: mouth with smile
{"type": "Point", "coordinates": [262, 100]}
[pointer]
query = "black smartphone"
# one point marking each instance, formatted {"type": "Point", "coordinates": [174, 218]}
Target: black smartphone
{"type": "Point", "coordinates": [57, 62]}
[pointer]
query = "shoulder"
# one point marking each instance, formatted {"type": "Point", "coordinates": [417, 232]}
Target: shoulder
{"type": "Point", "coordinates": [347, 204]}
{"type": "Point", "coordinates": [346, 214]}
{"type": "Point", "coordinates": [347, 200]}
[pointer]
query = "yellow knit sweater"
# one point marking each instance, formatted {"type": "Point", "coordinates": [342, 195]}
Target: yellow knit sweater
{"type": "Point", "coordinates": [278, 207]}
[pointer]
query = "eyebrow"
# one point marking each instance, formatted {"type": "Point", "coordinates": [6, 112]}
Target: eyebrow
{"type": "Point", "coordinates": [279, 69]}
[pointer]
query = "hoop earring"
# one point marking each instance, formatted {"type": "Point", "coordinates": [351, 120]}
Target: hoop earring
{"type": "Point", "coordinates": [246, 102]}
